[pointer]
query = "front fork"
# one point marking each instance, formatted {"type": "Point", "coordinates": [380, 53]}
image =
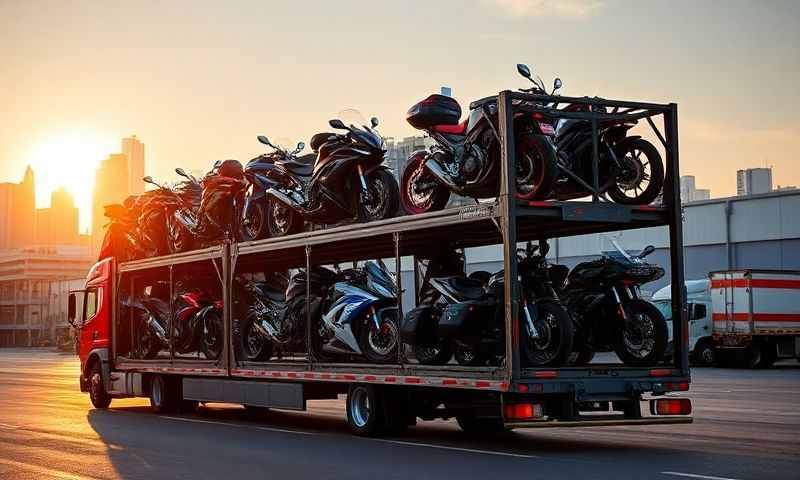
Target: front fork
{"type": "Point", "coordinates": [629, 294]}
{"type": "Point", "coordinates": [365, 196]}
{"type": "Point", "coordinates": [529, 319]}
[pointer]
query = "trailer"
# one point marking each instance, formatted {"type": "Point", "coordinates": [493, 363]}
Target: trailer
{"type": "Point", "coordinates": [755, 316]}
{"type": "Point", "coordinates": [387, 397]}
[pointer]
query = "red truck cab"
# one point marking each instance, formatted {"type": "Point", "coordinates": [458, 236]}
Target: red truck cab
{"type": "Point", "coordinates": [93, 325]}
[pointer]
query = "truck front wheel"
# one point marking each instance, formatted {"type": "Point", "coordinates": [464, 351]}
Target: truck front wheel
{"type": "Point", "coordinates": [97, 389]}
{"type": "Point", "coordinates": [704, 353]}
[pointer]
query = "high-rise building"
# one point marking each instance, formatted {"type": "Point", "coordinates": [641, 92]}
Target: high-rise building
{"type": "Point", "coordinates": [753, 181]}
{"type": "Point", "coordinates": [133, 149]}
{"type": "Point", "coordinates": [58, 225]}
{"type": "Point", "coordinates": [111, 183]}
{"type": "Point", "coordinates": [690, 192]}
{"type": "Point", "coordinates": [447, 91]}
{"type": "Point", "coordinates": [17, 212]}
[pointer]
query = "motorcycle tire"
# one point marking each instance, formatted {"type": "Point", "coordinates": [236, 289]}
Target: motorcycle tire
{"type": "Point", "coordinates": [658, 333]}
{"type": "Point", "coordinates": [384, 192]}
{"type": "Point", "coordinates": [282, 220]}
{"type": "Point", "coordinates": [433, 354]}
{"type": "Point", "coordinates": [469, 355]}
{"type": "Point", "coordinates": [656, 180]}
{"type": "Point", "coordinates": [371, 341]}
{"type": "Point", "coordinates": [213, 337]}
{"type": "Point", "coordinates": [253, 348]}
{"type": "Point", "coordinates": [554, 319]}
{"type": "Point", "coordinates": [254, 227]}
{"type": "Point", "coordinates": [414, 172]}
{"type": "Point", "coordinates": [540, 182]}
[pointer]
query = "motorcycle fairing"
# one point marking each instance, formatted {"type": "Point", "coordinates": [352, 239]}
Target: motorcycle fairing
{"type": "Point", "coordinates": [458, 288]}
{"type": "Point", "coordinates": [346, 310]}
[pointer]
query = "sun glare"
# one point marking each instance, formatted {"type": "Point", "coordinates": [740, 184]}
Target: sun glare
{"type": "Point", "coordinates": [69, 160]}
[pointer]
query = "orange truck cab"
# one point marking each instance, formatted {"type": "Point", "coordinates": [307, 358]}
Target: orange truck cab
{"type": "Point", "coordinates": [92, 321]}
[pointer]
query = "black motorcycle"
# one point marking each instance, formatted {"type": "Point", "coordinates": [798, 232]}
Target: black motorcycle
{"type": "Point", "coordinates": [216, 216]}
{"type": "Point", "coordinates": [630, 169]}
{"type": "Point", "coordinates": [468, 318]}
{"type": "Point", "coordinates": [466, 157]}
{"type": "Point", "coordinates": [121, 241]}
{"type": "Point", "coordinates": [266, 329]}
{"type": "Point", "coordinates": [346, 181]}
{"type": "Point", "coordinates": [602, 297]}
{"type": "Point", "coordinates": [256, 203]}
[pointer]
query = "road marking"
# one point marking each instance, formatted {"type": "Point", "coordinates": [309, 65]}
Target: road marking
{"type": "Point", "coordinates": [458, 449]}
{"type": "Point", "coordinates": [269, 429]}
{"type": "Point", "coordinates": [60, 474]}
{"type": "Point", "coordinates": [694, 475]}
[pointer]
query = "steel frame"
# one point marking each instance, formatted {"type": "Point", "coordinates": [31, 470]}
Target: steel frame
{"type": "Point", "coordinates": [477, 225]}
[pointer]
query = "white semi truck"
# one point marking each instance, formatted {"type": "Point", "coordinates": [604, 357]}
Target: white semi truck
{"type": "Point", "coordinates": [745, 317]}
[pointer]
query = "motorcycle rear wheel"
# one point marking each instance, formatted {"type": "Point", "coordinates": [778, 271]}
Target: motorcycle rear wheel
{"type": "Point", "coordinates": [254, 347]}
{"type": "Point", "coordinates": [282, 220]}
{"type": "Point", "coordinates": [213, 337]}
{"type": "Point", "coordinates": [643, 340]}
{"type": "Point", "coordinates": [433, 199]}
{"type": "Point", "coordinates": [469, 355]}
{"type": "Point", "coordinates": [556, 330]}
{"type": "Point", "coordinates": [627, 187]}
{"type": "Point", "coordinates": [438, 354]}
{"type": "Point", "coordinates": [536, 168]}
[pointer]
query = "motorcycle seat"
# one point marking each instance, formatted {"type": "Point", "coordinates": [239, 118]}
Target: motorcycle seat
{"type": "Point", "coordinates": [302, 166]}
{"type": "Point", "coordinates": [467, 288]}
{"type": "Point", "coordinates": [458, 129]}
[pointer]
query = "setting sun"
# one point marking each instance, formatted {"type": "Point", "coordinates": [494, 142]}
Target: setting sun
{"type": "Point", "coordinates": [68, 160]}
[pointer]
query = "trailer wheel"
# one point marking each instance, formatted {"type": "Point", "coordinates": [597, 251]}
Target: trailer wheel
{"type": "Point", "coordinates": [97, 389]}
{"type": "Point", "coordinates": [769, 355]}
{"type": "Point", "coordinates": [473, 424]}
{"type": "Point", "coordinates": [162, 395]}
{"type": "Point", "coordinates": [365, 411]}
{"type": "Point", "coordinates": [704, 353]}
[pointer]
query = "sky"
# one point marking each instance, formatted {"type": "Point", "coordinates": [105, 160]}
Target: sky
{"type": "Point", "coordinates": [198, 80]}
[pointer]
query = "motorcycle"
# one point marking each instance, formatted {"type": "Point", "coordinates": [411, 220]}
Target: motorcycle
{"type": "Point", "coordinates": [347, 181]}
{"type": "Point", "coordinates": [256, 203]}
{"type": "Point", "coordinates": [120, 240]}
{"type": "Point", "coordinates": [602, 297]}
{"type": "Point", "coordinates": [266, 329]}
{"type": "Point", "coordinates": [160, 206]}
{"type": "Point", "coordinates": [216, 216]}
{"type": "Point", "coordinates": [468, 318]}
{"type": "Point", "coordinates": [466, 157]}
{"type": "Point", "coordinates": [360, 316]}
{"type": "Point", "coordinates": [624, 174]}
{"type": "Point", "coordinates": [198, 326]}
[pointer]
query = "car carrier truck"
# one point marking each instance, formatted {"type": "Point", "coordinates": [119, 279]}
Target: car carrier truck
{"type": "Point", "coordinates": [387, 397]}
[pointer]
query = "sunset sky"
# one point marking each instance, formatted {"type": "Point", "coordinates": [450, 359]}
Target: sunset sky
{"type": "Point", "coordinates": [198, 80]}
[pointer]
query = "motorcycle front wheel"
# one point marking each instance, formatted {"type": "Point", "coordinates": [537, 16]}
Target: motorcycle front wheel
{"type": "Point", "coordinates": [254, 225]}
{"type": "Point", "coordinates": [379, 343]}
{"type": "Point", "coordinates": [420, 192]}
{"type": "Point", "coordinates": [213, 336]}
{"type": "Point", "coordinates": [643, 338]}
{"type": "Point", "coordinates": [382, 199]}
{"type": "Point", "coordinates": [536, 168]}
{"type": "Point", "coordinates": [641, 176]}
{"type": "Point", "coordinates": [553, 346]}
{"type": "Point", "coordinates": [282, 220]}
{"type": "Point", "coordinates": [254, 347]}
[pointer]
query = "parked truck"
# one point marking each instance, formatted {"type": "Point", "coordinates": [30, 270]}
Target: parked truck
{"type": "Point", "coordinates": [748, 317]}
{"type": "Point", "coordinates": [120, 358]}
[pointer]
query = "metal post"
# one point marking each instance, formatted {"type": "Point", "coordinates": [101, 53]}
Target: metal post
{"type": "Point", "coordinates": [399, 280]}
{"type": "Point", "coordinates": [227, 310]}
{"type": "Point", "coordinates": [309, 345]}
{"type": "Point", "coordinates": [171, 315]}
{"type": "Point", "coordinates": [595, 160]}
{"type": "Point", "coordinates": [672, 195]}
{"type": "Point", "coordinates": [416, 280]}
{"type": "Point", "coordinates": [508, 217]}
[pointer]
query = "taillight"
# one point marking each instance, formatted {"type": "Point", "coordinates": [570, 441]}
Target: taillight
{"type": "Point", "coordinates": [523, 411]}
{"type": "Point", "coordinates": [671, 406]}
{"type": "Point", "coordinates": [677, 386]}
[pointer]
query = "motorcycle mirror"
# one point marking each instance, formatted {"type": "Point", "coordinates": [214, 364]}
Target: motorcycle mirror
{"type": "Point", "coordinates": [336, 123]}
{"type": "Point", "coordinates": [149, 179]}
{"type": "Point", "coordinates": [264, 140]}
{"type": "Point", "coordinates": [556, 84]}
{"type": "Point", "coordinates": [647, 251]}
{"type": "Point", "coordinates": [181, 172]}
{"type": "Point", "coordinates": [300, 146]}
{"type": "Point", "coordinates": [217, 164]}
{"type": "Point", "coordinates": [373, 121]}
{"type": "Point", "coordinates": [524, 70]}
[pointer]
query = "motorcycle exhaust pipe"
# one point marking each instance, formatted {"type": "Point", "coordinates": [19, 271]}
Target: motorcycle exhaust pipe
{"type": "Point", "coordinates": [440, 174]}
{"type": "Point", "coordinates": [157, 328]}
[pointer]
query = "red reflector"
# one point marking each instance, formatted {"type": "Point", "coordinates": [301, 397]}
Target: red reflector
{"type": "Point", "coordinates": [683, 386]}
{"type": "Point", "coordinates": [660, 372]}
{"type": "Point", "coordinates": [671, 406]}
{"type": "Point", "coordinates": [546, 374]}
{"type": "Point", "coordinates": [523, 388]}
{"type": "Point", "coordinates": [522, 410]}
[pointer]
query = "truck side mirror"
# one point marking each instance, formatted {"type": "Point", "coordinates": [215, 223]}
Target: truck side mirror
{"type": "Point", "coordinates": [72, 308]}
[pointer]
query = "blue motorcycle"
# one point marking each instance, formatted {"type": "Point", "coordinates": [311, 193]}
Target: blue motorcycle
{"type": "Point", "coordinates": [362, 316]}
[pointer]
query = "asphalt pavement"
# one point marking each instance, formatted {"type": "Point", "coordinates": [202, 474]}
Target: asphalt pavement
{"type": "Point", "coordinates": [747, 426]}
